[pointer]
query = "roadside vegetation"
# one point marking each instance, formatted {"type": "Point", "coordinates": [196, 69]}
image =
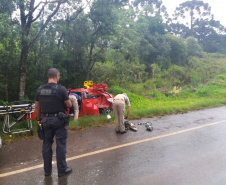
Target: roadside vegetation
{"type": "Point", "coordinates": [201, 84]}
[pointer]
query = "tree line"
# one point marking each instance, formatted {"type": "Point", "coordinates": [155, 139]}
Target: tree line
{"type": "Point", "coordinates": [107, 41]}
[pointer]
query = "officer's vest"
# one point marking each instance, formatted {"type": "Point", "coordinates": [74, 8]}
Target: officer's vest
{"type": "Point", "coordinates": [49, 99]}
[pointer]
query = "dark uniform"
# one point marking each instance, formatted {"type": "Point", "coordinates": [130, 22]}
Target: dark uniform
{"type": "Point", "coordinates": [51, 99]}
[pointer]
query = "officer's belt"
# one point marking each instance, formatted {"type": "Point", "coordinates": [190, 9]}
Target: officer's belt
{"type": "Point", "coordinates": [50, 114]}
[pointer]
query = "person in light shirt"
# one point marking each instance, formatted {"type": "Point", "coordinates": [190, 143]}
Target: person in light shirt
{"type": "Point", "coordinates": [118, 105]}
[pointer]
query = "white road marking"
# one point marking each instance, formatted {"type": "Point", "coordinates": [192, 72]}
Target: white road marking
{"type": "Point", "coordinates": [112, 148]}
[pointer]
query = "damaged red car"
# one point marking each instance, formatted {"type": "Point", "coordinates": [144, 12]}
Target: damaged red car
{"type": "Point", "coordinates": [94, 100]}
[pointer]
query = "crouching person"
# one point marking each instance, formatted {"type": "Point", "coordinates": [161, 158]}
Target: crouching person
{"type": "Point", "coordinates": [119, 110]}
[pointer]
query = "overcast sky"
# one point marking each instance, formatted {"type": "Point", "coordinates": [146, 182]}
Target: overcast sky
{"type": "Point", "coordinates": [218, 8]}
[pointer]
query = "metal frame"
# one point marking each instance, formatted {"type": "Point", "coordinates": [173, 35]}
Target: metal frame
{"type": "Point", "coordinates": [24, 111]}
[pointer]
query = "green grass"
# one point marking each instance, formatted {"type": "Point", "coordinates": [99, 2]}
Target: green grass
{"type": "Point", "coordinates": [89, 121]}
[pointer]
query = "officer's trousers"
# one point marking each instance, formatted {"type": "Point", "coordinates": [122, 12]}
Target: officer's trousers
{"type": "Point", "coordinates": [53, 126]}
{"type": "Point", "coordinates": [119, 110]}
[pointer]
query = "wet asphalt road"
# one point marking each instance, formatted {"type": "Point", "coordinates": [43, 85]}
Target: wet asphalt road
{"type": "Point", "coordinates": [183, 149]}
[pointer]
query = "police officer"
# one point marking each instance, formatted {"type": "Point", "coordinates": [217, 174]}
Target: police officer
{"type": "Point", "coordinates": [73, 97]}
{"type": "Point", "coordinates": [119, 110]}
{"type": "Point", "coordinates": [51, 100]}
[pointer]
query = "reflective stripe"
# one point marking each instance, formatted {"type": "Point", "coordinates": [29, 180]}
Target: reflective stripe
{"type": "Point", "coordinates": [119, 99]}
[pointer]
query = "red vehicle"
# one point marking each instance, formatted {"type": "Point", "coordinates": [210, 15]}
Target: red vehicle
{"type": "Point", "coordinates": [93, 101]}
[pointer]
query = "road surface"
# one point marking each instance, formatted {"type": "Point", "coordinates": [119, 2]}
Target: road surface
{"type": "Point", "coordinates": [183, 149]}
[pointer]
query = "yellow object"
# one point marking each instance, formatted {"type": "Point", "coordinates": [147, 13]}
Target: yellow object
{"type": "Point", "coordinates": [88, 84]}
{"type": "Point", "coordinates": [10, 135]}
